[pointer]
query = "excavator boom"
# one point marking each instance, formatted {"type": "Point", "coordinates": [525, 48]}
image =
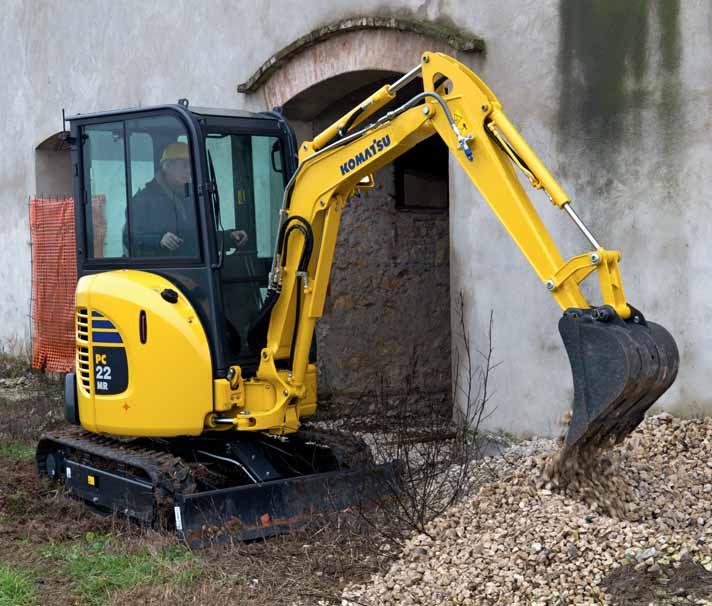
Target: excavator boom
{"type": "Point", "coordinates": [621, 363]}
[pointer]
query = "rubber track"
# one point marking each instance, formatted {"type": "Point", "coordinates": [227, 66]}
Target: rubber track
{"type": "Point", "coordinates": [168, 474]}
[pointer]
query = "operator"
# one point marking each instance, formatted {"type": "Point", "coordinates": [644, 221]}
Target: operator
{"type": "Point", "coordinates": [163, 212]}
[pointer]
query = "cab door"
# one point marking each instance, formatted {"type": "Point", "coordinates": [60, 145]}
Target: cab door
{"type": "Point", "coordinates": [250, 178]}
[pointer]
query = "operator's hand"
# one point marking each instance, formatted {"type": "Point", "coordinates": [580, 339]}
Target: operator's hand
{"type": "Point", "coordinates": [240, 237]}
{"type": "Point", "coordinates": [171, 241]}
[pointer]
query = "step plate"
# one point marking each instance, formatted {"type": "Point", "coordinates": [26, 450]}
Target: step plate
{"type": "Point", "coordinates": [109, 491]}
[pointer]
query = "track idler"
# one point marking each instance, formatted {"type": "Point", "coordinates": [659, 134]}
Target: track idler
{"type": "Point", "coordinates": [620, 368]}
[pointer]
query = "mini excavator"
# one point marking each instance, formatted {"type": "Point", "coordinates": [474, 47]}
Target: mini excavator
{"type": "Point", "coordinates": [205, 240]}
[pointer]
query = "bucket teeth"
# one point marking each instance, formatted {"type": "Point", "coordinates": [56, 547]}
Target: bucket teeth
{"type": "Point", "coordinates": [620, 368]}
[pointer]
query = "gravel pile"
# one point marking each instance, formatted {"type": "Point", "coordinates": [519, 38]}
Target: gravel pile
{"type": "Point", "coordinates": [621, 525]}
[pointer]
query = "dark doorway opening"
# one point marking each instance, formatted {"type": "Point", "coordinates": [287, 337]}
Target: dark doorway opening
{"type": "Point", "coordinates": [53, 168]}
{"type": "Point", "coordinates": [386, 326]}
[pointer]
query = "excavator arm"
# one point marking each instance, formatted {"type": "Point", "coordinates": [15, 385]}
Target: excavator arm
{"type": "Point", "coordinates": [621, 363]}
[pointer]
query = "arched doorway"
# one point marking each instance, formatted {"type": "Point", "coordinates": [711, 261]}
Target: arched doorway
{"type": "Point", "coordinates": [387, 316]}
{"type": "Point", "coordinates": [53, 168]}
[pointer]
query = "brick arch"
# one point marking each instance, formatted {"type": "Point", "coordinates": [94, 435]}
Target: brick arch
{"type": "Point", "coordinates": [353, 45]}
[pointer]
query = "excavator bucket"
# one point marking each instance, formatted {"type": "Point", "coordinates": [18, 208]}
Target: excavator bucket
{"type": "Point", "coordinates": [620, 368]}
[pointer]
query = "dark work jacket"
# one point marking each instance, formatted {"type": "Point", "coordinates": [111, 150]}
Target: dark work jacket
{"type": "Point", "coordinates": [156, 210]}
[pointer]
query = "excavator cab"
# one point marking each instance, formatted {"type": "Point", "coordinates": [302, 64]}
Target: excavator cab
{"type": "Point", "coordinates": [191, 194]}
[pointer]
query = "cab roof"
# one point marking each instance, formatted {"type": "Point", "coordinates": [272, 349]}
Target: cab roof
{"type": "Point", "coordinates": [179, 107]}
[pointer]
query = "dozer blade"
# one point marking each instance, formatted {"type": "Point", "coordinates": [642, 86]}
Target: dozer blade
{"type": "Point", "coordinates": [620, 368]}
{"type": "Point", "coordinates": [261, 510]}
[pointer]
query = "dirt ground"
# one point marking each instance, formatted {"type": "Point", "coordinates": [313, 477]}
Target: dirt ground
{"type": "Point", "coordinates": [54, 550]}
{"type": "Point", "coordinates": [691, 583]}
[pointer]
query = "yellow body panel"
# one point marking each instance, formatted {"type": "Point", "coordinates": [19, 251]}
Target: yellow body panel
{"type": "Point", "coordinates": [170, 382]}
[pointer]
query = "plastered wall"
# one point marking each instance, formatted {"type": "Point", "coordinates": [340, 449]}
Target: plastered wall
{"type": "Point", "coordinates": [618, 104]}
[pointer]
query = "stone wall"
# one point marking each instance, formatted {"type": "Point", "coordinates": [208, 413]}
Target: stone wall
{"type": "Point", "coordinates": [615, 98]}
{"type": "Point", "coordinates": [387, 313]}
{"type": "Point", "coordinates": [388, 309]}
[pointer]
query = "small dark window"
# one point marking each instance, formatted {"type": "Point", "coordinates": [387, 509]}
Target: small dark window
{"type": "Point", "coordinates": [53, 168]}
{"type": "Point", "coordinates": [421, 176]}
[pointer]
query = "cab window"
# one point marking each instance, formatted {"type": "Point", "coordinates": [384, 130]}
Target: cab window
{"type": "Point", "coordinates": [105, 182]}
{"type": "Point", "coordinates": [140, 189]}
{"type": "Point", "coordinates": [250, 183]}
{"type": "Point", "coordinates": [162, 215]}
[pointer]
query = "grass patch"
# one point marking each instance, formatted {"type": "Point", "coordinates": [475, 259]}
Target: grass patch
{"type": "Point", "coordinates": [97, 566]}
{"type": "Point", "coordinates": [17, 451]}
{"type": "Point", "coordinates": [16, 587]}
{"type": "Point", "coordinates": [13, 366]}
{"type": "Point", "coordinates": [17, 503]}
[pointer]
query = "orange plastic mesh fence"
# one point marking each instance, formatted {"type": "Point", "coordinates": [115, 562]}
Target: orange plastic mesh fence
{"type": "Point", "coordinates": [54, 278]}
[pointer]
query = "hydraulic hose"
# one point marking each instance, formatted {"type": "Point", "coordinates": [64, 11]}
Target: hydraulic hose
{"type": "Point", "coordinates": [297, 311]}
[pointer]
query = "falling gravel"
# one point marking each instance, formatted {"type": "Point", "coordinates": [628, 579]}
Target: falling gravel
{"type": "Point", "coordinates": [633, 526]}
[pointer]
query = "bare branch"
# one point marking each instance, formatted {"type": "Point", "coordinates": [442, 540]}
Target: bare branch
{"type": "Point", "coordinates": [435, 453]}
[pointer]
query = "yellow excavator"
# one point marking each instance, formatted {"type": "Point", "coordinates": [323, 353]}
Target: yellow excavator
{"type": "Point", "coordinates": [205, 240]}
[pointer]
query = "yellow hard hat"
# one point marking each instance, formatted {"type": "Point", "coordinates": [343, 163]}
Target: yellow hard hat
{"type": "Point", "coordinates": [175, 151]}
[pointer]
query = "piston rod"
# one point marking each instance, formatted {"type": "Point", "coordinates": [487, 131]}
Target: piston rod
{"type": "Point", "coordinates": [580, 224]}
{"type": "Point", "coordinates": [405, 79]}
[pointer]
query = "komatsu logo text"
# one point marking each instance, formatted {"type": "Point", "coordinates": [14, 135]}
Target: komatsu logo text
{"type": "Point", "coordinates": [376, 147]}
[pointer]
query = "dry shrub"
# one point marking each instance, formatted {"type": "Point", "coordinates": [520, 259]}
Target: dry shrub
{"type": "Point", "coordinates": [433, 452]}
